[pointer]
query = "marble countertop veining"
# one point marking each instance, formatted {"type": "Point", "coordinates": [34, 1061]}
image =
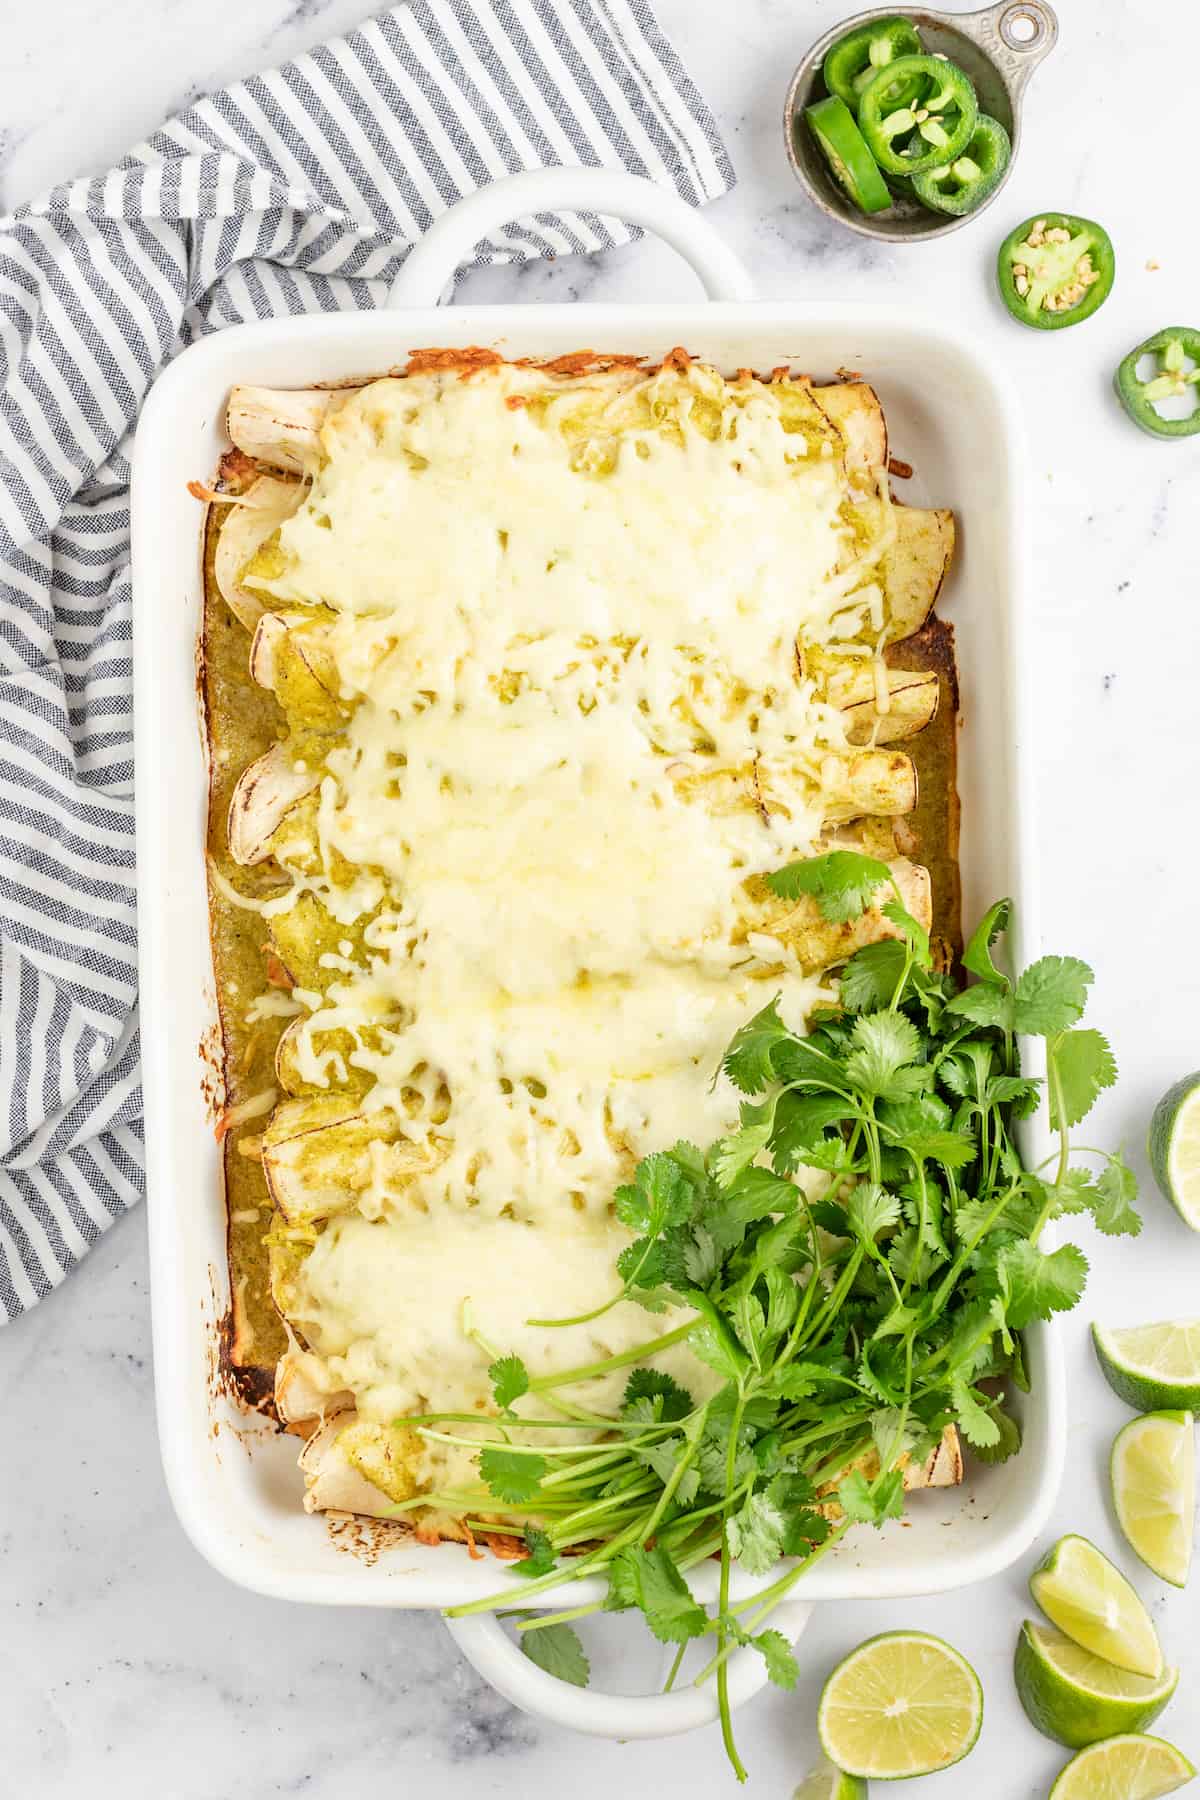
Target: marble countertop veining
{"type": "Point", "coordinates": [127, 1666]}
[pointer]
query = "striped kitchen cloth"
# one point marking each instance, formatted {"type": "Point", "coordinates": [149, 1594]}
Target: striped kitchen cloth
{"type": "Point", "coordinates": [297, 191]}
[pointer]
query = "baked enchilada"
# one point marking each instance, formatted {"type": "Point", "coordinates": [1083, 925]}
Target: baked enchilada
{"type": "Point", "coordinates": [520, 681]}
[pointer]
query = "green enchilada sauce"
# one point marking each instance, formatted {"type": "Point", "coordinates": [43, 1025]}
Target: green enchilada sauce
{"type": "Point", "coordinates": [243, 720]}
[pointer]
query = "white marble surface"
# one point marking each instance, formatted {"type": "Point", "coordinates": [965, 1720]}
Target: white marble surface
{"type": "Point", "coordinates": [126, 1666]}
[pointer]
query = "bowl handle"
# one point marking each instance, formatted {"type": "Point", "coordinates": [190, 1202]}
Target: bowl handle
{"type": "Point", "coordinates": [449, 241]}
{"type": "Point", "coordinates": [1015, 34]}
{"type": "Point", "coordinates": [489, 1649]}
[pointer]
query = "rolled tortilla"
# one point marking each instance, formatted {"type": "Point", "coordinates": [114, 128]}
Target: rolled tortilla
{"type": "Point", "coordinates": [265, 793]}
{"type": "Point", "coordinates": [854, 409]}
{"type": "Point", "coordinates": [880, 782]}
{"type": "Point", "coordinates": [912, 703]}
{"type": "Point", "coordinates": [321, 1152]}
{"type": "Point", "coordinates": [259, 513]}
{"type": "Point", "coordinates": [280, 426]}
{"type": "Point", "coordinates": [912, 570]}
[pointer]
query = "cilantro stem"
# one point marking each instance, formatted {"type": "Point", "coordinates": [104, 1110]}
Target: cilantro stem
{"type": "Point", "coordinates": [544, 1383]}
{"type": "Point", "coordinates": [542, 1620]}
{"type": "Point", "coordinates": [837, 1297]}
{"type": "Point", "coordinates": [673, 1671]}
{"type": "Point", "coordinates": [683, 1463]}
{"type": "Point", "coordinates": [636, 1492]}
{"type": "Point", "coordinates": [767, 1599]}
{"type": "Point", "coordinates": [723, 1600]}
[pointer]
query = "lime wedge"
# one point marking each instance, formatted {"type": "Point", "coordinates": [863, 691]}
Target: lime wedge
{"type": "Point", "coordinates": [1124, 1768]}
{"type": "Point", "coordinates": [901, 1704]}
{"type": "Point", "coordinates": [1173, 1147]}
{"type": "Point", "coordinates": [1077, 1698]}
{"type": "Point", "coordinates": [1152, 1366]}
{"type": "Point", "coordinates": [1153, 1469]}
{"type": "Point", "coordinates": [827, 1782]}
{"type": "Point", "coordinates": [1084, 1595]}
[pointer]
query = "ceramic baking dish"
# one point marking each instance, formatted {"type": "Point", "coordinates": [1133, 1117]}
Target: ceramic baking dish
{"type": "Point", "coordinates": [239, 1496]}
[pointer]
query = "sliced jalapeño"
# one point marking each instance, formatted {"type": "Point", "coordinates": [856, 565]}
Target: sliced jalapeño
{"type": "Point", "coordinates": [841, 142]}
{"type": "Point", "coordinates": [962, 185]}
{"type": "Point", "coordinates": [917, 113]}
{"type": "Point", "coordinates": [1172, 379]}
{"type": "Point", "coordinates": [1055, 270]}
{"type": "Point", "coordinates": [852, 61]}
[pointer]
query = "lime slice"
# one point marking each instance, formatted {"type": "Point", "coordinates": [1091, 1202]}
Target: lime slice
{"type": "Point", "coordinates": [901, 1704]}
{"type": "Point", "coordinates": [827, 1782]}
{"type": "Point", "coordinates": [1173, 1147]}
{"type": "Point", "coordinates": [1080, 1591]}
{"type": "Point", "coordinates": [1152, 1366]}
{"type": "Point", "coordinates": [1077, 1698]}
{"type": "Point", "coordinates": [1124, 1768]}
{"type": "Point", "coordinates": [1153, 1469]}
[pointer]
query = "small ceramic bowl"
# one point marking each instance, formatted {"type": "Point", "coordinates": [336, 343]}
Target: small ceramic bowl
{"type": "Point", "coordinates": [999, 48]}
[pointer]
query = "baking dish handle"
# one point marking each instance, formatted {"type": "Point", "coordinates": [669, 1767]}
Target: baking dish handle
{"type": "Point", "coordinates": [489, 1649]}
{"type": "Point", "coordinates": [449, 241]}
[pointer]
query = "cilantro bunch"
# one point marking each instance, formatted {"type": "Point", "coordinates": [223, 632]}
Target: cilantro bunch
{"type": "Point", "coordinates": [846, 1330]}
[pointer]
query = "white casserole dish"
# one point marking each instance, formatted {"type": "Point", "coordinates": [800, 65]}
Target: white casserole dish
{"type": "Point", "coordinates": [239, 1497]}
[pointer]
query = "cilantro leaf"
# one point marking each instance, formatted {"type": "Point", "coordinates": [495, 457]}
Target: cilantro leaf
{"type": "Point", "coordinates": [1081, 1064]}
{"type": "Point", "coordinates": [977, 957]}
{"type": "Point", "coordinates": [715, 1347]}
{"type": "Point", "coordinates": [557, 1649]}
{"type": "Point", "coordinates": [1008, 1440]}
{"type": "Point", "coordinates": [1051, 995]}
{"type": "Point", "coordinates": [869, 978]}
{"type": "Point", "coordinates": [783, 1300]}
{"type": "Point", "coordinates": [642, 1263]}
{"type": "Point", "coordinates": [755, 1534]}
{"type": "Point", "coordinates": [649, 1384]}
{"type": "Point", "coordinates": [690, 1160]}
{"type": "Point", "coordinates": [871, 1210]}
{"type": "Point", "coordinates": [782, 1667]}
{"type": "Point", "coordinates": [692, 1256]}
{"type": "Point", "coordinates": [974, 1420]}
{"type": "Point", "coordinates": [886, 1044]}
{"type": "Point", "coordinates": [512, 1475]}
{"type": "Point", "coordinates": [663, 1457]}
{"type": "Point", "coordinates": [649, 1580]}
{"type": "Point", "coordinates": [661, 1195]}
{"type": "Point", "coordinates": [541, 1558]}
{"type": "Point", "coordinates": [509, 1378]}
{"type": "Point", "coordinates": [913, 932]}
{"type": "Point", "coordinates": [1115, 1192]}
{"type": "Point", "coordinates": [747, 1061]}
{"type": "Point", "coordinates": [756, 1194]}
{"type": "Point", "coordinates": [730, 1155]}
{"type": "Point", "coordinates": [712, 1456]}
{"type": "Point", "coordinates": [984, 1004]}
{"type": "Point", "coordinates": [892, 1434]}
{"type": "Point", "coordinates": [1037, 1284]}
{"type": "Point", "coordinates": [872, 1502]}
{"type": "Point", "coordinates": [800, 1127]}
{"type": "Point", "coordinates": [842, 883]}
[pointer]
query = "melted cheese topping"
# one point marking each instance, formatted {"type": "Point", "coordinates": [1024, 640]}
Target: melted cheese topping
{"type": "Point", "coordinates": [356, 1305]}
{"type": "Point", "coordinates": [563, 617]}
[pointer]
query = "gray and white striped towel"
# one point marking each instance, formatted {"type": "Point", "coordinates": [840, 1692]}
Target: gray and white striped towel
{"type": "Point", "coordinates": [297, 191]}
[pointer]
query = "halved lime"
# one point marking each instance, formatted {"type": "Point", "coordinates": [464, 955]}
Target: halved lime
{"type": "Point", "coordinates": [828, 1782]}
{"type": "Point", "coordinates": [1077, 1698]}
{"type": "Point", "coordinates": [1173, 1147]}
{"type": "Point", "coordinates": [1153, 1470]}
{"type": "Point", "coordinates": [1152, 1366]}
{"type": "Point", "coordinates": [1124, 1768]}
{"type": "Point", "coordinates": [1081, 1592]}
{"type": "Point", "coordinates": [901, 1704]}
